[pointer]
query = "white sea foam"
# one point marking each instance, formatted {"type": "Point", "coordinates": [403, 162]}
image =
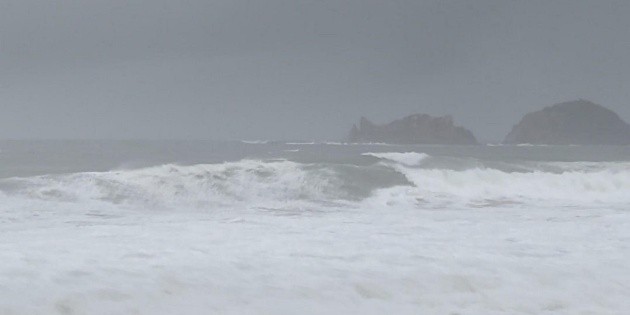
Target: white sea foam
{"type": "Point", "coordinates": [406, 158]}
{"type": "Point", "coordinates": [250, 182]}
{"type": "Point", "coordinates": [290, 239]}
{"type": "Point", "coordinates": [579, 183]}
{"type": "Point", "coordinates": [487, 186]}
{"type": "Point", "coordinates": [532, 145]}
{"type": "Point", "coordinates": [255, 141]}
{"type": "Point", "coordinates": [286, 183]}
{"type": "Point", "coordinates": [301, 143]}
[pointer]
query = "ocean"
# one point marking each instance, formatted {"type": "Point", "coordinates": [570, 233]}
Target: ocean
{"type": "Point", "coordinates": [272, 227]}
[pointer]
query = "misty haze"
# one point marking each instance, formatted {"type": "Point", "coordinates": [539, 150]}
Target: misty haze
{"type": "Point", "coordinates": [314, 157]}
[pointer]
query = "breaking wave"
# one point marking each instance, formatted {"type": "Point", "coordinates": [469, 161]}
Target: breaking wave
{"type": "Point", "coordinates": [242, 182]}
{"type": "Point", "coordinates": [406, 158]}
{"type": "Point", "coordinates": [255, 141]}
{"type": "Point", "coordinates": [394, 179]}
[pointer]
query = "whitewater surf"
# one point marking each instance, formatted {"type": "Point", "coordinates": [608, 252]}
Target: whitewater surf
{"type": "Point", "coordinates": [270, 227]}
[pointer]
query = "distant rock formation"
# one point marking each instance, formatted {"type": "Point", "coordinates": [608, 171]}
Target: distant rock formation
{"type": "Point", "coordinates": [414, 129]}
{"type": "Point", "coordinates": [577, 122]}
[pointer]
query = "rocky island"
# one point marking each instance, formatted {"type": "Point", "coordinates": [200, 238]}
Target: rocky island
{"type": "Point", "coordinates": [414, 129]}
{"type": "Point", "coordinates": [578, 122]}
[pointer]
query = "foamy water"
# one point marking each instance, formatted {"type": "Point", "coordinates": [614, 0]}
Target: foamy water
{"type": "Point", "coordinates": [372, 233]}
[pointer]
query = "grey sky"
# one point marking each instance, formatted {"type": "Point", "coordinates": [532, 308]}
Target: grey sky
{"type": "Point", "coordinates": [298, 69]}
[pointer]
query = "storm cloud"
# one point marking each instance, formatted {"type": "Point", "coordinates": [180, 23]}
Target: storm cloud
{"type": "Point", "coordinates": [300, 69]}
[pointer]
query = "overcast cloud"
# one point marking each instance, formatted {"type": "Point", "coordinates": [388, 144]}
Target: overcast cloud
{"type": "Point", "coordinates": [298, 69]}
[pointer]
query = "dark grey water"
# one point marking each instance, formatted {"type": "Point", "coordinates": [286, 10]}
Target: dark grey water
{"type": "Point", "coordinates": [29, 158]}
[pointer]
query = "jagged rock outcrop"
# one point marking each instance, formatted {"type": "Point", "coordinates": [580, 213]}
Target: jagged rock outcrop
{"type": "Point", "coordinates": [577, 122]}
{"type": "Point", "coordinates": [414, 129]}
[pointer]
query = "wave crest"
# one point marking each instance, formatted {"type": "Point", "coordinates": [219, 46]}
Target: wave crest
{"type": "Point", "coordinates": [247, 181]}
{"type": "Point", "coordinates": [397, 179]}
{"type": "Point", "coordinates": [404, 158]}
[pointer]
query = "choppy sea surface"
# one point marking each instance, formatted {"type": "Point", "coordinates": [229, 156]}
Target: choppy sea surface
{"type": "Point", "coordinates": [264, 227]}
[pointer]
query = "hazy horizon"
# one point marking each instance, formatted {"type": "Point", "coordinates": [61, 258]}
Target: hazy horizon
{"type": "Point", "coordinates": [300, 69]}
{"type": "Point", "coordinates": [313, 216]}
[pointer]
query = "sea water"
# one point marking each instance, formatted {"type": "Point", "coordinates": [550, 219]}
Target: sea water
{"type": "Point", "coordinates": [270, 227]}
